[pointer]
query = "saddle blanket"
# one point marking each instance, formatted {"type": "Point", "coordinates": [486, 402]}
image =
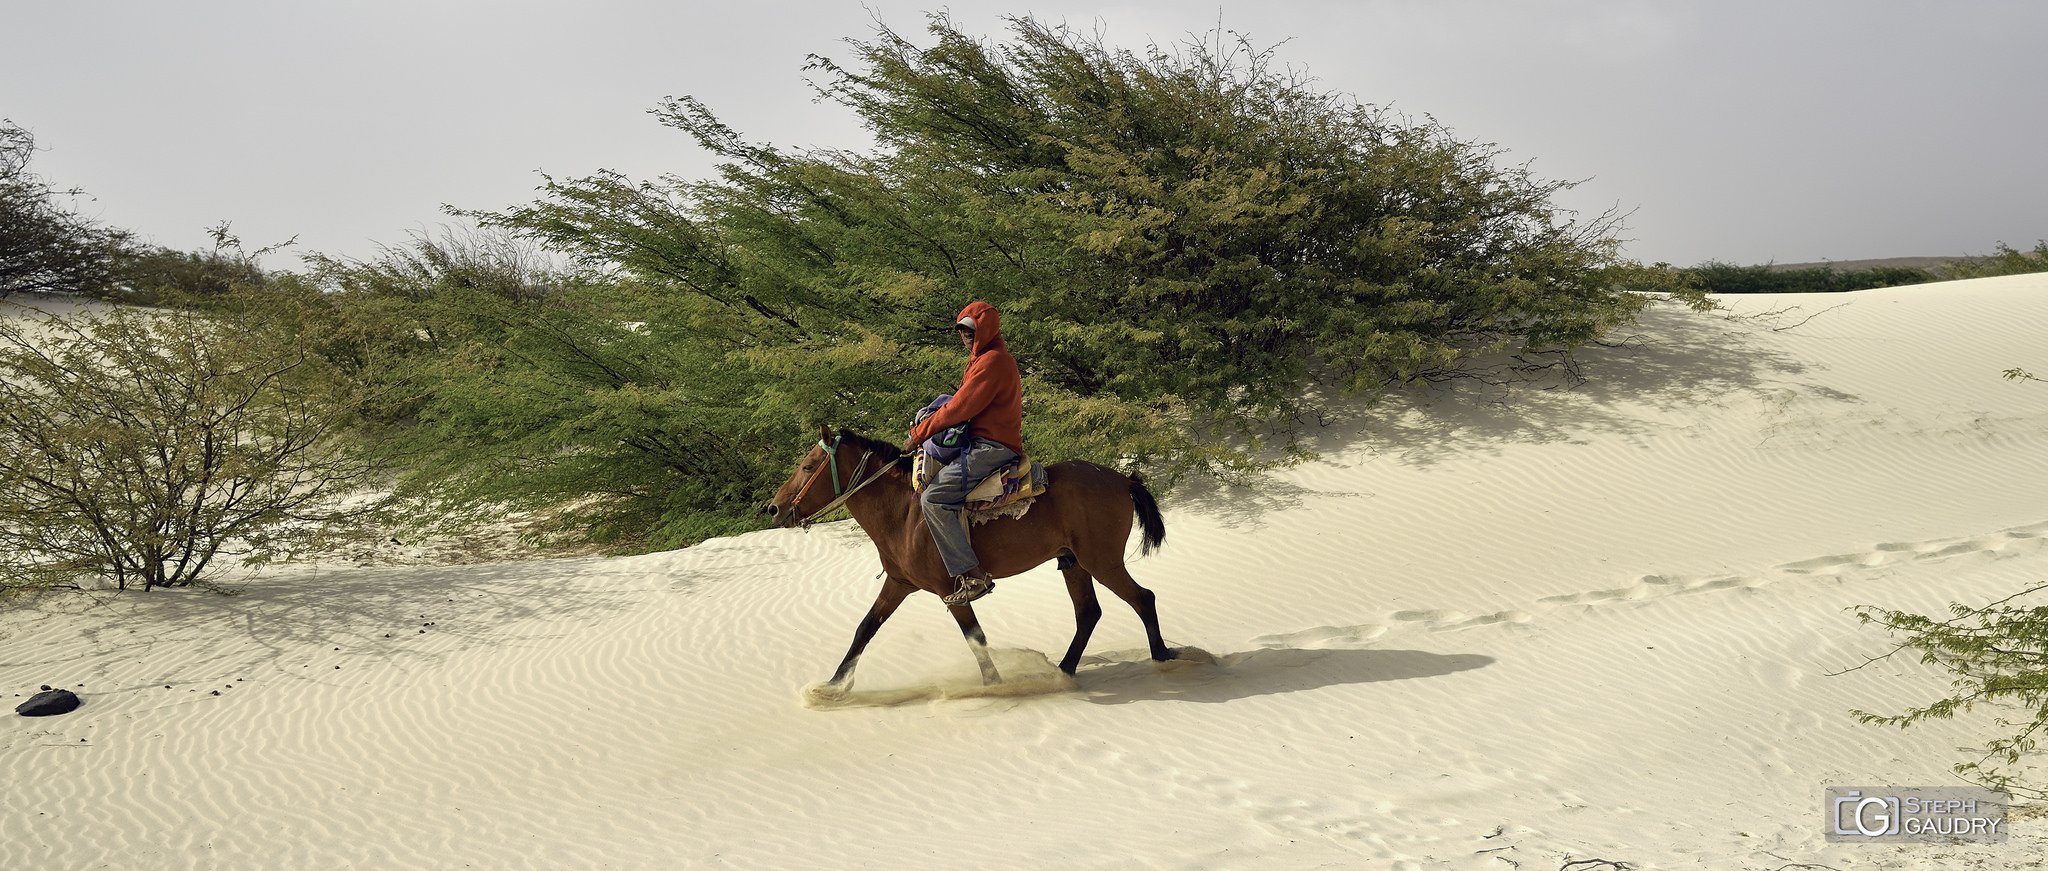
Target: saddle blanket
{"type": "Point", "coordinates": [1005, 493]}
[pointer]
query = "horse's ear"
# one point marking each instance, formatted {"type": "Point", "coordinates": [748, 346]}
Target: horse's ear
{"type": "Point", "coordinates": [824, 433]}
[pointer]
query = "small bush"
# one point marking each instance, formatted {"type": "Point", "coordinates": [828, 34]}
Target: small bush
{"type": "Point", "coordinates": [141, 446]}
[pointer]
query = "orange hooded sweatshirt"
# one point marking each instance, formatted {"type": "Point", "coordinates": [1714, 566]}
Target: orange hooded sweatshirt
{"type": "Point", "coordinates": [991, 395]}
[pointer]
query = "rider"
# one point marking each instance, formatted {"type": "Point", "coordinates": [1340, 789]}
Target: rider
{"type": "Point", "coordinates": [991, 402]}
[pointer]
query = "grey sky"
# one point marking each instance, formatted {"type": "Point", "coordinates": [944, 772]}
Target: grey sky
{"type": "Point", "coordinates": [1739, 131]}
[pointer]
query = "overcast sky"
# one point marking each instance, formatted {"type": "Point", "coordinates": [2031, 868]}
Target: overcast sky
{"type": "Point", "coordinates": [1740, 131]}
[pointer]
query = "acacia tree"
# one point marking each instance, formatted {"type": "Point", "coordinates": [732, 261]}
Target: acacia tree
{"type": "Point", "coordinates": [44, 246]}
{"type": "Point", "coordinates": [140, 446]}
{"type": "Point", "coordinates": [1192, 225]}
{"type": "Point", "coordinates": [1182, 243]}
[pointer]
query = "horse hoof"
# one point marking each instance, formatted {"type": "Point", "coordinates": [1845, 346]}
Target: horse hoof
{"type": "Point", "coordinates": [827, 692]}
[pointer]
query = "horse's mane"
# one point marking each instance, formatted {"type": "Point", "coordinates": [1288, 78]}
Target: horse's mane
{"type": "Point", "coordinates": [884, 451]}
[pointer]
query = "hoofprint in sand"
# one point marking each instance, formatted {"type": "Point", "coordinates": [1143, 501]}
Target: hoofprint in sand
{"type": "Point", "coordinates": [1490, 629]}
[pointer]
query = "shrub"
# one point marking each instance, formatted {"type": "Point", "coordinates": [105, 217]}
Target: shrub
{"type": "Point", "coordinates": [141, 446]}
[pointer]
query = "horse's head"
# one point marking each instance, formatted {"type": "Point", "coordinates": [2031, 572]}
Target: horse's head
{"type": "Point", "coordinates": [843, 462]}
{"type": "Point", "coordinates": [801, 495]}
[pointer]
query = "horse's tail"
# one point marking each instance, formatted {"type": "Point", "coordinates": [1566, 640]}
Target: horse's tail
{"type": "Point", "coordinates": [1148, 515]}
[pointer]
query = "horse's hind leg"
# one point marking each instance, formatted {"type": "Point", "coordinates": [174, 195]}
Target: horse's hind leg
{"type": "Point", "coordinates": [1119, 581]}
{"type": "Point", "coordinates": [894, 590]}
{"type": "Point", "coordinates": [977, 642]}
{"type": "Point", "coordinates": [1080, 588]}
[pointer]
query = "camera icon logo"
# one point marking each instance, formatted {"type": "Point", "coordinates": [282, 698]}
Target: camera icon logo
{"type": "Point", "coordinates": [1872, 816]}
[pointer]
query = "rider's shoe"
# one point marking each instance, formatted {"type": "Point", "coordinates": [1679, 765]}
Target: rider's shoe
{"type": "Point", "coordinates": [970, 586]}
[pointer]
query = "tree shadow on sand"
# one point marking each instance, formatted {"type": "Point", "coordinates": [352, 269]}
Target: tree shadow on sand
{"type": "Point", "coordinates": [1670, 361]}
{"type": "Point", "coordinates": [1127, 677]}
{"type": "Point", "coordinates": [406, 615]}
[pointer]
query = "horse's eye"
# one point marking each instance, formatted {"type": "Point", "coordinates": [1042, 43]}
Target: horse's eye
{"type": "Point", "coordinates": [809, 466]}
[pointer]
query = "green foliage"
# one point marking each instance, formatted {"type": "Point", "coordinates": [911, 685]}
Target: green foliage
{"type": "Point", "coordinates": [1194, 226]}
{"type": "Point", "coordinates": [45, 247]}
{"type": "Point", "coordinates": [140, 446]}
{"type": "Point", "coordinates": [628, 410]}
{"type": "Point", "coordinates": [1181, 240]}
{"type": "Point", "coordinates": [1999, 656]}
{"type": "Point", "coordinates": [2006, 262]}
{"type": "Point", "coordinates": [1181, 244]}
{"type": "Point", "coordinates": [1717, 277]}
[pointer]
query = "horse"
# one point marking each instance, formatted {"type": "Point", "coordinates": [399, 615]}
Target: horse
{"type": "Point", "coordinates": [1082, 520]}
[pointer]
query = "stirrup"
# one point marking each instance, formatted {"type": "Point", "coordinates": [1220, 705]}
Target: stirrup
{"type": "Point", "coordinates": [970, 588]}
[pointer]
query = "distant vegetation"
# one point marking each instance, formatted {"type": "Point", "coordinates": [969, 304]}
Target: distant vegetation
{"type": "Point", "coordinates": [1727, 278]}
{"type": "Point", "coordinates": [1717, 277]}
{"type": "Point", "coordinates": [2006, 262]}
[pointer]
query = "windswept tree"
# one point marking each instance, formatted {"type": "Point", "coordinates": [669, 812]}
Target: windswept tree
{"type": "Point", "coordinates": [1182, 241]}
{"type": "Point", "coordinates": [45, 246]}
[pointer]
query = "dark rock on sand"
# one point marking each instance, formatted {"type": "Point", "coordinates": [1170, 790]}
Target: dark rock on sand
{"type": "Point", "coordinates": [45, 704]}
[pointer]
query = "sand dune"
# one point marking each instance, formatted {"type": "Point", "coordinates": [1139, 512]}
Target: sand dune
{"type": "Point", "coordinates": [1493, 627]}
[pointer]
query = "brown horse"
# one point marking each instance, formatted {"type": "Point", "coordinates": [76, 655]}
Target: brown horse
{"type": "Point", "coordinates": [1083, 520]}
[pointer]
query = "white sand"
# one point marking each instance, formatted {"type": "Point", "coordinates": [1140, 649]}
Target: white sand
{"type": "Point", "coordinates": [1490, 629]}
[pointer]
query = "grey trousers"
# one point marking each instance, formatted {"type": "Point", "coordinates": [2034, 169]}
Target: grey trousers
{"type": "Point", "coordinates": [945, 501]}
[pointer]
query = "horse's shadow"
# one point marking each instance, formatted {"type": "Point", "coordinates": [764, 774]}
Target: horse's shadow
{"type": "Point", "coordinates": [1197, 676]}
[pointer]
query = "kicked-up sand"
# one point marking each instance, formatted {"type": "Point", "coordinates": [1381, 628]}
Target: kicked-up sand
{"type": "Point", "coordinates": [1493, 627]}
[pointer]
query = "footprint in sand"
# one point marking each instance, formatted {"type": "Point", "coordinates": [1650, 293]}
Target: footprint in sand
{"type": "Point", "coordinates": [1655, 586]}
{"type": "Point", "coordinates": [1496, 618]}
{"type": "Point", "coordinates": [1429, 616]}
{"type": "Point", "coordinates": [1725, 584]}
{"type": "Point", "coordinates": [1825, 565]}
{"type": "Point", "coordinates": [1937, 549]}
{"type": "Point", "coordinates": [1632, 591]}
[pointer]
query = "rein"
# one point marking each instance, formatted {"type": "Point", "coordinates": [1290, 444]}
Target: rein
{"type": "Point", "coordinates": [840, 496]}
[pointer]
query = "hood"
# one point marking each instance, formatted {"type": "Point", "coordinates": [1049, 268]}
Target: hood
{"type": "Point", "coordinates": [988, 325]}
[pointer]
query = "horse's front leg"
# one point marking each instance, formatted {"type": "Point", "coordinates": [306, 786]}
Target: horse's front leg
{"type": "Point", "coordinates": [894, 591]}
{"type": "Point", "coordinates": [977, 642]}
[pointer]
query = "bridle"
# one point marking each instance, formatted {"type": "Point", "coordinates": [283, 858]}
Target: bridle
{"type": "Point", "coordinates": [839, 494]}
